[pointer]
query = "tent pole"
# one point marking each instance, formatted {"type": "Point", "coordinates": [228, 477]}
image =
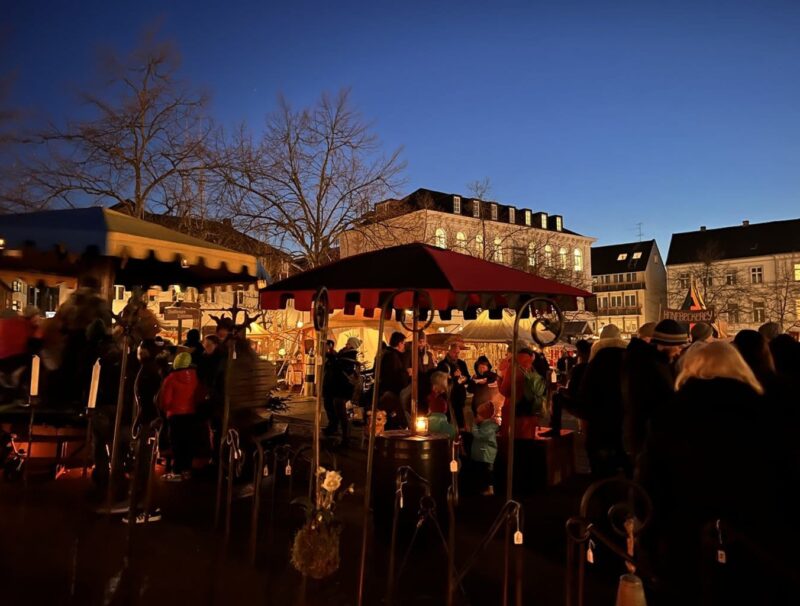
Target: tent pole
{"type": "Point", "coordinates": [321, 329]}
{"type": "Point", "coordinates": [371, 453]}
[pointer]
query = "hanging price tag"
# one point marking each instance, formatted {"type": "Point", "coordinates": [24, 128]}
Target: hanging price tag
{"type": "Point", "coordinates": [453, 466]}
{"type": "Point", "coordinates": [518, 538]}
{"type": "Point", "coordinates": [401, 499]}
{"type": "Point", "coordinates": [722, 557]}
{"type": "Point", "coordinates": [288, 469]}
{"type": "Point", "coordinates": [590, 552]}
{"type": "Point", "coordinates": [265, 471]}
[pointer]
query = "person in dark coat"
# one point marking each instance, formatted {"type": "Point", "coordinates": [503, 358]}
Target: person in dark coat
{"type": "Point", "coordinates": [345, 379]}
{"type": "Point", "coordinates": [329, 379]}
{"type": "Point", "coordinates": [716, 466]}
{"type": "Point", "coordinates": [194, 346]}
{"type": "Point", "coordinates": [393, 380]}
{"type": "Point", "coordinates": [566, 398]}
{"type": "Point", "coordinates": [600, 399]}
{"type": "Point", "coordinates": [483, 385]}
{"type": "Point", "coordinates": [456, 368]}
{"type": "Point", "coordinates": [426, 364]}
{"type": "Point", "coordinates": [648, 379]}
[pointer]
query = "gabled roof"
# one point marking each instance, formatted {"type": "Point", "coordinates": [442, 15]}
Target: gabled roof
{"type": "Point", "coordinates": [737, 242]}
{"type": "Point", "coordinates": [606, 259]}
{"type": "Point", "coordinates": [428, 199]}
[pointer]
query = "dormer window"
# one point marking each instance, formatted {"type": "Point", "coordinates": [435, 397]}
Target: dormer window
{"type": "Point", "coordinates": [622, 256]}
{"type": "Point", "coordinates": [544, 221]}
{"type": "Point", "coordinates": [637, 255]}
{"type": "Point", "coordinates": [527, 218]}
{"type": "Point", "coordinates": [457, 205]}
{"type": "Point", "coordinates": [558, 223]}
{"type": "Point", "coordinates": [512, 215]}
{"type": "Point", "coordinates": [476, 208]}
{"type": "Point", "coordinates": [494, 212]}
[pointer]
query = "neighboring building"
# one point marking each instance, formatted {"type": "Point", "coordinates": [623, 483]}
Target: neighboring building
{"type": "Point", "coordinates": [5, 295]}
{"type": "Point", "coordinates": [749, 274]}
{"type": "Point", "coordinates": [518, 237]}
{"type": "Point", "coordinates": [630, 283]}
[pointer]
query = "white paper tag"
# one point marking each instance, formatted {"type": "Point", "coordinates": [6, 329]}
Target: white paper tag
{"type": "Point", "coordinates": [288, 469]}
{"type": "Point", "coordinates": [265, 471]}
{"type": "Point", "coordinates": [590, 553]}
{"type": "Point", "coordinates": [722, 557]}
{"type": "Point", "coordinates": [401, 500]}
{"type": "Point", "coordinates": [453, 466]}
{"type": "Point", "coordinates": [518, 538]}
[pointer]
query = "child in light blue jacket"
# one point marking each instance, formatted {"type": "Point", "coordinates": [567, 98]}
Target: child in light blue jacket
{"type": "Point", "coordinates": [484, 446]}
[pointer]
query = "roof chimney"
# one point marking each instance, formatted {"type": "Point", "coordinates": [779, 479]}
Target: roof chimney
{"type": "Point", "coordinates": [702, 228]}
{"type": "Point", "coordinates": [745, 222]}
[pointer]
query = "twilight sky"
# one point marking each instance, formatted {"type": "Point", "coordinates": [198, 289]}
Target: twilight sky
{"type": "Point", "coordinates": [612, 113]}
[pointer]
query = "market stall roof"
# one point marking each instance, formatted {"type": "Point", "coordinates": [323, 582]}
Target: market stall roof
{"type": "Point", "coordinates": [454, 281]}
{"type": "Point", "coordinates": [577, 328]}
{"type": "Point", "coordinates": [485, 330]}
{"type": "Point", "coordinates": [57, 244]}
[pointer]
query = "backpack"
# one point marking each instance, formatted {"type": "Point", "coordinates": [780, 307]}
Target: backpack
{"type": "Point", "coordinates": [534, 394]}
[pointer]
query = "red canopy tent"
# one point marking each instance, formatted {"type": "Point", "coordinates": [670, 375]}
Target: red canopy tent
{"type": "Point", "coordinates": [421, 277]}
{"type": "Point", "coordinates": [453, 281]}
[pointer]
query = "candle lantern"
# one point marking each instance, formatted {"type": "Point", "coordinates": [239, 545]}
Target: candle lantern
{"type": "Point", "coordinates": [94, 385]}
{"type": "Point", "coordinates": [421, 426]}
{"type": "Point", "coordinates": [35, 376]}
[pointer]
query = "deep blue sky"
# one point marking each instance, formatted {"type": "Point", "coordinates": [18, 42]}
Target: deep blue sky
{"type": "Point", "coordinates": [672, 114]}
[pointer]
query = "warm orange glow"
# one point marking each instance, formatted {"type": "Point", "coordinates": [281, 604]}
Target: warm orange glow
{"type": "Point", "coordinates": [421, 425]}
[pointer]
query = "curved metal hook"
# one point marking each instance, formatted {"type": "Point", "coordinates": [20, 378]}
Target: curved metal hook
{"type": "Point", "coordinates": [635, 490]}
{"type": "Point", "coordinates": [557, 328]}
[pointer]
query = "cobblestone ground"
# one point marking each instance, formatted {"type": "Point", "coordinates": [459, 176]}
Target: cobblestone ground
{"type": "Point", "coordinates": [54, 549]}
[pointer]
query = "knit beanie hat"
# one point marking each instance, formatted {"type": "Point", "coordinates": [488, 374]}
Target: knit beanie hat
{"type": "Point", "coordinates": [669, 332]}
{"type": "Point", "coordinates": [353, 342]}
{"type": "Point", "coordinates": [701, 331]}
{"type": "Point", "coordinates": [610, 331]}
{"type": "Point", "coordinates": [182, 360]}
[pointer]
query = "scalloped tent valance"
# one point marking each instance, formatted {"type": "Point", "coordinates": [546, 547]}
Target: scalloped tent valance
{"type": "Point", "coordinates": [69, 242]}
{"type": "Point", "coordinates": [454, 281]}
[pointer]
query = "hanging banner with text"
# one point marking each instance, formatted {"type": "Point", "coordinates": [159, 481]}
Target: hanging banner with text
{"type": "Point", "coordinates": [688, 315]}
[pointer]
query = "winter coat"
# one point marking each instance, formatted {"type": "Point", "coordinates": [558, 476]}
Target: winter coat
{"type": "Point", "coordinates": [524, 424]}
{"type": "Point", "coordinates": [458, 391]}
{"type": "Point", "coordinates": [600, 400]}
{"type": "Point", "coordinates": [720, 462]}
{"type": "Point", "coordinates": [647, 385]}
{"type": "Point", "coordinates": [145, 390]}
{"type": "Point", "coordinates": [484, 390]}
{"type": "Point", "coordinates": [394, 376]}
{"type": "Point", "coordinates": [484, 441]}
{"type": "Point", "coordinates": [343, 371]}
{"type": "Point", "coordinates": [180, 392]}
{"type": "Point", "coordinates": [438, 423]}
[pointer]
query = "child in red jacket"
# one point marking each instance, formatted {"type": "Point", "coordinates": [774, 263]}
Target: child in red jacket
{"type": "Point", "coordinates": [178, 399]}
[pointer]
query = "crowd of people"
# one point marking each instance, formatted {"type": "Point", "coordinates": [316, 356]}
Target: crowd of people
{"type": "Point", "coordinates": [705, 425]}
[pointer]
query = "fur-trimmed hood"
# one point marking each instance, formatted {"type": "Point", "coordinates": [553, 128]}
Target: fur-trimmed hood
{"type": "Point", "coordinates": [606, 344]}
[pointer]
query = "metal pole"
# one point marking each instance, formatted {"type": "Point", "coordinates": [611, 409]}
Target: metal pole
{"type": "Point", "coordinates": [415, 362]}
{"type": "Point", "coordinates": [371, 454]}
{"type": "Point", "coordinates": [321, 328]}
{"type": "Point", "coordinates": [118, 417]}
{"type": "Point", "coordinates": [226, 409]}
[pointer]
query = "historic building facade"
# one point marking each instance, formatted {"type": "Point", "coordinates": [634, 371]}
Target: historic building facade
{"type": "Point", "coordinates": [519, 237]}
{"type": "Point", "coordinates": [630, 282]}
{"type": "Point", "coordinates": [749, 274]}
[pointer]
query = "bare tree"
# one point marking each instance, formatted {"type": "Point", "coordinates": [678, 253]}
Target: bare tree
{"type": "Point", "coordinates": [783, 295]}
{"type": "Point", "coordinates": [145, 138]}
{"type": "Point", "coordinates": [311, 177]}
